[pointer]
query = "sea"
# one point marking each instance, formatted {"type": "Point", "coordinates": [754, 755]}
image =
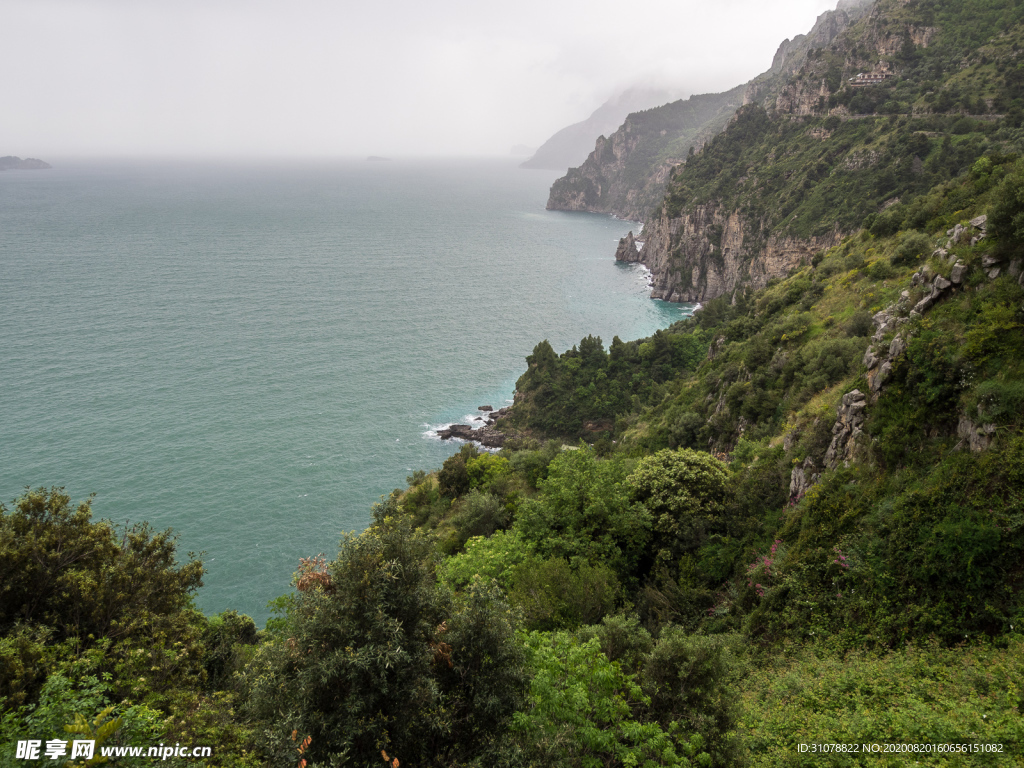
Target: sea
{"type": "Point", "coordinates": [253, 352]}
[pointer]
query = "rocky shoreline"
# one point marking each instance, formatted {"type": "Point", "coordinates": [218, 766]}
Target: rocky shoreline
{"type": "Point", "coordinates": [487, 435]}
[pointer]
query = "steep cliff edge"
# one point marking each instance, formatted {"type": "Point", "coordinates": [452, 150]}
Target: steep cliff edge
{"type": "Point", "coordinates": [813, 155]}
{"type": "Point", "coordinates": [626, 173]}
{"type": "Point", "coordinates": [701, 255]}
{"type": "Point", "coordinates": [628, 170]}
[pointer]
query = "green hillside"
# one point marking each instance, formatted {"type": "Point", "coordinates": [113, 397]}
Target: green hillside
{"type": "Point", "coordinates": [626, 173]}
{"type": "Point", "coordinates": [828, 155]}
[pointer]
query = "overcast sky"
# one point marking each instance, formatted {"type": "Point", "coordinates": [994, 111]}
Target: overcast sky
{"type": "Point", "coordinates": [392, 77]}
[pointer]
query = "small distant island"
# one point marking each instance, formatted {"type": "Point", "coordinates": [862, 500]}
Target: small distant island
{"type": "Point", "coordinates": [11, 163]}
{"type": "Point", "coordinates": [378, 159]}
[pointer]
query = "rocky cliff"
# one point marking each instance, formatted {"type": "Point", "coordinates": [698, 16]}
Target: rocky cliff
{"type": "Point", "coordinates": [800, 76]}
{"type": "Point", "coordinates": [703, 254]}
{"type": "Point", "coordinates": [795, 168]}
{"type": "Point", "coordinates": [627, 172]}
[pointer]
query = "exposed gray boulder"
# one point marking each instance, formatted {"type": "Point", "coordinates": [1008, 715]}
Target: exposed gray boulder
{"type": "Point", "coordinates": [977, 438]}
{"type": "Point", "coordinates": [802, 478]}
{"type": "Point", "coordinates": [922, 306]}
{"type": "Point", "coordinates": [849, 420]}
{"type": "Point", "coordinates": [957, 275]}
{"type": "Point", "coordinates": [715, 347]}
{"type": "Point", "coordinates": [877, 378]}
{"type": "Point", "coordinates": [897, 347]}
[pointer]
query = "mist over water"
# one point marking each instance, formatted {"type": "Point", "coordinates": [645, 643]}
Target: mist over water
{"type": "Point", "coordinates": [252, 353]}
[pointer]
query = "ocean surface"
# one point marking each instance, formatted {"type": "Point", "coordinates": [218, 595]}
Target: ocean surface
{"type": "Point", "coordinates": [252, 353]}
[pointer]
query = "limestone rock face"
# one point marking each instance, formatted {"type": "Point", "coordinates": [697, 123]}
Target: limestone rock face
{"type": "Point", "coordinates": [847, 429]}
{"type": "Point", "coordinates": [878, 376]}
{"type": "Point", "coordinates": [959, 270]}
{"type": "Point", "coordinates": [701, 255]}
{"type": "Point", "coordinates": [627, 250]}
{"type": "Point", "coordinates": [802, 478]}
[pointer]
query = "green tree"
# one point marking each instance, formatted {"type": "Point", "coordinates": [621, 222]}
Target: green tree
{"type": "Point", "coordinates": [60, 569]}
{"type": "Point", "coordinates": [584, 710]}
{"type": "Point", "coordinates": [1006, 217]}
{"type": "Point", "coordinates": [376, 655]}
{"type": "Point", "coordinates": [453, 477]}
{"type": "Point", "coordinates": [691, 680]}
{"type": "Point", "coordinates": [585, 512]}
{"type": "Point", "coordinates": [684, 492]}
{"type": "Point", "coordinates": [68, 581]}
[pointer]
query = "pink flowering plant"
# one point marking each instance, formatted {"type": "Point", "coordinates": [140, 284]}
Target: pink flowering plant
{"type": "Point", "coordinates": [764, 571]}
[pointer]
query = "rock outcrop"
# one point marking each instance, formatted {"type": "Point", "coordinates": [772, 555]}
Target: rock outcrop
{"type": "Point", "coordinates": [976, 437]}
{"type": "Point", "coordinates": [847, 429]}
{"type": "Point", "coordinates": [777, 89]}
{"type": "Point", "coordinates": [629, 249]}
{"type": "Point", "coordinates": [487, 436]}
{"type": "Point", "coordinates": [802, 478]}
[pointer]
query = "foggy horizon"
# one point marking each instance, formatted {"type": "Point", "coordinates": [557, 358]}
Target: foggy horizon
{"type": "Point", "coordinates": [261, 80]}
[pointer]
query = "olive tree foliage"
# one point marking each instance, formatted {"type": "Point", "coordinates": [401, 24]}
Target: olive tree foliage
{"type": "Point", "coordinates": [684, 492]}
{"type": "Point", "coordinates": [377, 655]}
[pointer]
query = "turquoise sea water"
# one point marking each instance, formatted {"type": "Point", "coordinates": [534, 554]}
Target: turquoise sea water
{"type": "Point", "coordinates": [252, 353]}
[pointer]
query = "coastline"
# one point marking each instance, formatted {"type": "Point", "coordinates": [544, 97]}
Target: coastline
{"type": "Point", "coordinates": [484, 435]}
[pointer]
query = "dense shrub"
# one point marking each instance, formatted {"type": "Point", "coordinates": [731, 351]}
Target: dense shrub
{"type": "Point", "coordinates": [383, 657]}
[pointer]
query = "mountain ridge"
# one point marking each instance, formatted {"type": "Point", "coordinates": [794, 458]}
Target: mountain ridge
{"type": "Point", "coordinates": [569, 146]}
{"type": "Point", "coordinates": [813, 156]}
